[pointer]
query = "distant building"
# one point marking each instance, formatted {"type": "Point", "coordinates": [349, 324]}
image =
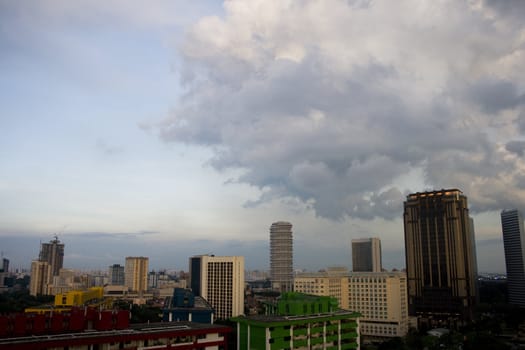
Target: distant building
{"type": "Point", "coordinates": [53, 254]}
{"type": "Point", "coordinates": [440, 258]}
{"type": "Point", "coordinates": [136, 274]}
{"type": "Point", "coordinates": [514, 245]}
{"type": "Point", "coordinates": [220, 281]}
{"type": "Point", "coordinates": [4, 266]}
{"type": "Point", "coordinates": [117, 276]}
{"type": "Point", "coordinates": [40, 278]}
{"type": "Point", "coordinates": [281, 256]}
{"type": "Point", "coordinates": [366, 255]}
{"type": "Point", "coordinates": [4, 274]}
{"type": "Point", "coordinates": [299, 321]}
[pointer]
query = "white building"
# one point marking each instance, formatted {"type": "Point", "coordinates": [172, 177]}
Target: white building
{"type": "Point", "coordinates": [380, 297]}
{"type": "Point", "coordinates": [219, 280]}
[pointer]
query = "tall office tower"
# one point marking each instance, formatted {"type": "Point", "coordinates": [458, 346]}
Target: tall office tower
{"type": "Point", "coordinates": [514, 245]}
{"type": "Point", "coordinates": [136, 273]}
{"type": "Point", "coordinates": [41, 277]}
{"type": "Point", "coordinates": [440, 257]}
{"type": "Point", "coordinates": [281, 256]}
{"type": "Point", "coordinates": [366, 255]}
{"type": "Point", "coordinates": [219, 280]}
{"type": "Point", "coordinates": [53, 253]}
{"type": "Point", "coordinates": [116, 275]}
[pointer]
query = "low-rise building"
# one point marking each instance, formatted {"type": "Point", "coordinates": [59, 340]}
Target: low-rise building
{"type": "Point", "coordinates": [180, 335]}
{"type": "Point", "coordinates": [185, 306]}
{"type": "Point", "coordinates": [299, 321]}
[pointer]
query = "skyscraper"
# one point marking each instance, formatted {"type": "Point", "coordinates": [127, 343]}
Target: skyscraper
{"type": "Point", "coordinates": [136, 273]}
{"type": "Point", "coordinates": [514, 245]}
{"type": "Point", "coordinates": [53, 253]}
{"type": "Point", "coordinates": [440, 257]}
{"type": "Point", "coordinates": [219, 280]}
{"type": "Point", "coordinates": [366, 255]}
{"type": "Point", "coordinates": [281, 256]}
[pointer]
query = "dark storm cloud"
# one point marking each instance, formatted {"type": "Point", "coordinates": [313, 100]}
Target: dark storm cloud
{"type": "Point", "coordinates": [333, 112]}
{"type": "Point", "coordinates": [494, 96]}
{"type": "Point", "coordinates": [517, 147]}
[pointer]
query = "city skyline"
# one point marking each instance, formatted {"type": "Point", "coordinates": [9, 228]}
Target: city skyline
{"type": "Point", "coordinates": [188, 127]}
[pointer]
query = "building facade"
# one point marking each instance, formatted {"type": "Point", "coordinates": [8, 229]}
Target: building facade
{"type": "Point", "coordinates": [300, 321]}
{"type": "Point", "coordinates": [514, 246]}
{"type": "Point", "coordinates": [136, 273]}
{"type": "Point", "coordinates": [220, 281]}
{"type": "Point", "coordinates": [440, 257]}
{"type": "Point", "coordinates": [381, 299]}
{"type": "Point", "coordinates": [183, 305]}
{"type": "Point", "coordinates": [40, 277]}
{"type": "Point", "coordinates": [281, 256]}
{"type": "Point", "coordinates": [366, 255]}
{"type": "Point", "coordinates": [110, 331]}
{"type": "Point", "coordinates": [53, 254]}
{"type": "Point", "coordinates": [333, 282]}
{"type": "Point", "coordinates": [117, 275]}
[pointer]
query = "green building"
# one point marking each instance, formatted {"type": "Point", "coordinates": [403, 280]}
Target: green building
{"type": "Point", "coordinates": [299, 321]}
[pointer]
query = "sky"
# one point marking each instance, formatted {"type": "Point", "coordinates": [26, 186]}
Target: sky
{"type": "Point", "coordinates": [174, 128]}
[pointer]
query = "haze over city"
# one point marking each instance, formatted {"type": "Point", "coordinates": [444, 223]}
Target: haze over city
{"type": "Point", "coordinates": [174, 128]}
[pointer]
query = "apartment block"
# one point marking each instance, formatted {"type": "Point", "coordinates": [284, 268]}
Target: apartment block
{"type": "Point", "coordinates": [136, 273]}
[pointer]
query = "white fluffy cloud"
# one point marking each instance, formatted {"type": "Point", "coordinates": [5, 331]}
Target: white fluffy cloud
{"type": "Point", "coordinates": [330, 101]}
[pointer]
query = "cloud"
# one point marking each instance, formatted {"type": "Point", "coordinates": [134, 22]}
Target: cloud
{"type": "Point", "coordinates": [332, 102]}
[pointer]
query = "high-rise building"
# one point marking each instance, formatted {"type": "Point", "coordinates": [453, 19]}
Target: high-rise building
{"type": "Point", "coordinates": [220, 281]}
{"type": "Point", "coordinates": [136, 273]}
{"type": "Point", "coordinates": [281, 256]}
{"type": "Point", "coordinates": [440, 257]}
{"type": "Point", "coordinates": [116, 275]}
{"type": "Point", "coordinates": [514, 245]}
{"type": "Point", "coordinates": [41, 277]}
{"type": "Point", "coordinates": [366, 255]}
{"type": "Point", "coordinates": [53, 253]}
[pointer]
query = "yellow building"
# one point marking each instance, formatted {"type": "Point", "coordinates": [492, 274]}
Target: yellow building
{"type": "Point", "coordinates": [79, 298]}
{"type": "Point", "coordinates": [136, 274]}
